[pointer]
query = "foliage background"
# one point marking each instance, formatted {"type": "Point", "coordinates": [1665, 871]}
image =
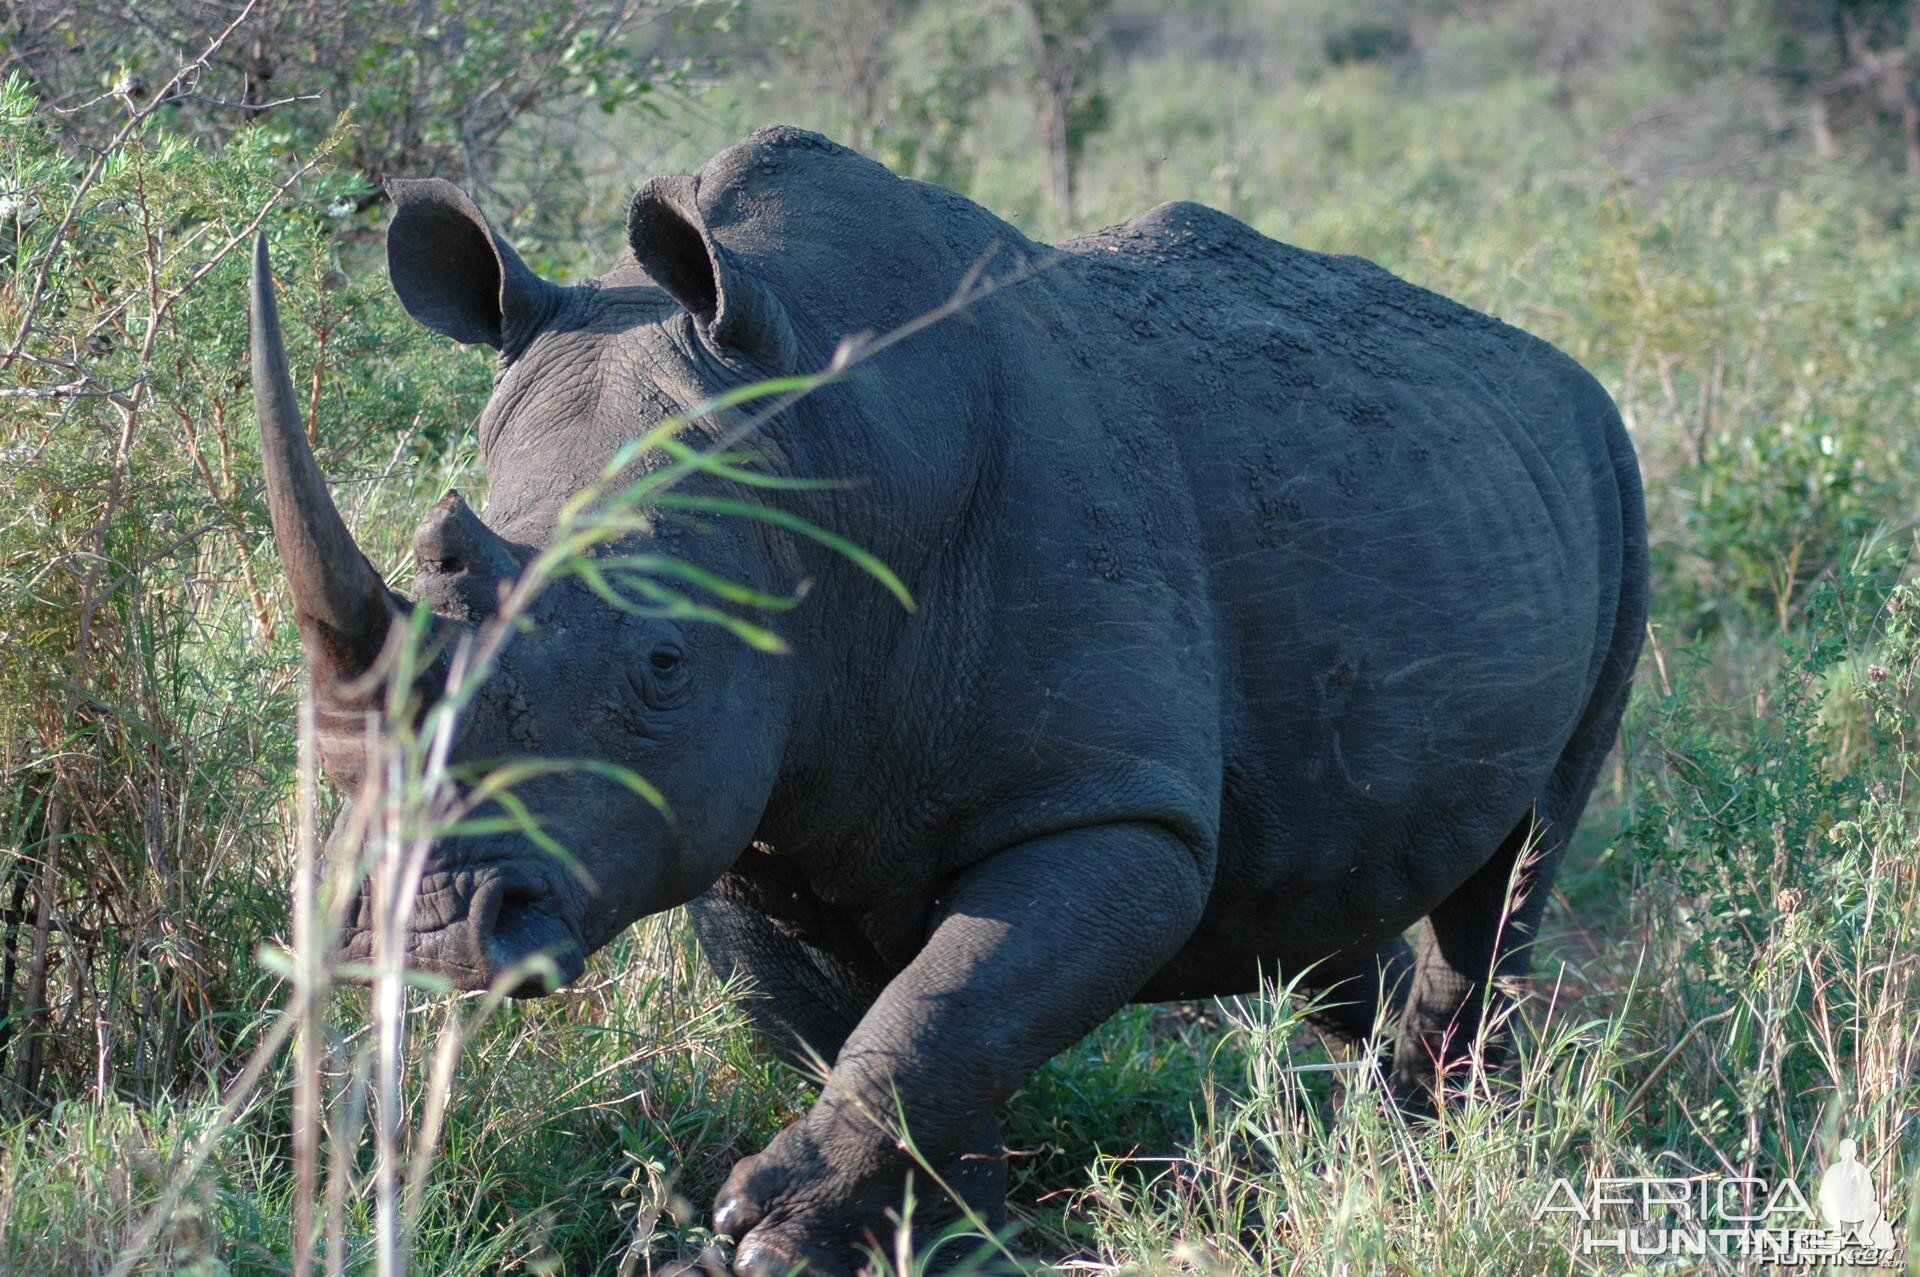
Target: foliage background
{"type": "Point", "coordinates": [1709, 202]}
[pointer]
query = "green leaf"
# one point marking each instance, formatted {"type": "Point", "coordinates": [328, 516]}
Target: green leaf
{"type": "Point", "coordinates": [793, 522]}
{"type": "Point", "coordinates": [732, 591]}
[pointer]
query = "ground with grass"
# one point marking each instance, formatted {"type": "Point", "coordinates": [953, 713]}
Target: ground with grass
{"type": "Point", "coordinates": [1729, 982]}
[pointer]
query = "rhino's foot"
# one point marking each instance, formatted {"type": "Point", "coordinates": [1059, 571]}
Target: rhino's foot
{"type": "Point", "coordinates": [1428, 1071]}
{"type": "Point", "coordinates": [801, 1200]}
{"type": "Point", "coordinates": [1415, 1089]}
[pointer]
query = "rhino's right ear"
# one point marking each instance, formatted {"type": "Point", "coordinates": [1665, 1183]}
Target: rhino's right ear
{"type": "Point", "coordinates": [734, 310]}
{"type": "Point", "coordinates": [456, 276]}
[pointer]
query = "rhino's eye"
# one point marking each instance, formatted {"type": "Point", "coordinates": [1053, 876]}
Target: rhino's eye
{"type": "Point", "coordinates": [662, 682]}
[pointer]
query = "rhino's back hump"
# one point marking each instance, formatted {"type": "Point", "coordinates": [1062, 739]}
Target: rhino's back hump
{"type": "Point", "coordinates": [1215, 293]}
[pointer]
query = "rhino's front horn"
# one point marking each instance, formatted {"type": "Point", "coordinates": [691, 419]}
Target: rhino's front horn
{"type": "Point", "coordinates": [342, 605]}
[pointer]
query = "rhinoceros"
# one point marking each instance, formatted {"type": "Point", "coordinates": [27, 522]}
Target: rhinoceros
{"type": "Point", "coordinates": [1264, 607]}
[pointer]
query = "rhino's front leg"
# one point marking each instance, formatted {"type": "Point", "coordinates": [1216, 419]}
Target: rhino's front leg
{"type": "Point", "coordinates": [1029, 951]}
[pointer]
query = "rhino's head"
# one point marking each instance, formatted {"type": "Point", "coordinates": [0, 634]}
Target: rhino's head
{"type": "Point", "coordinates": [697, 713]}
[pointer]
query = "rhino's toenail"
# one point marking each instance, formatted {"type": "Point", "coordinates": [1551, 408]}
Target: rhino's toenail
{"type": "Point", "coordinates": [730, 1218]}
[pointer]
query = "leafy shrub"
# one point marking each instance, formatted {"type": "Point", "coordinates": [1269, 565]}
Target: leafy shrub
{"type": "Point", "coordinates": [146, 699]}
{"type": "Point", "coordinates": [1774, 879]}
{"type": "Point", "coordinates": [484, 92]}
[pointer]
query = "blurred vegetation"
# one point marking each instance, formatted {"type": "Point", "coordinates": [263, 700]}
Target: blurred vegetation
{"type": "Point", "coordinates": [147, 691]}
{"type": "Point", "coordinates": [1711, 203]}
{"type": "Point", "coordinates": [482, 92]}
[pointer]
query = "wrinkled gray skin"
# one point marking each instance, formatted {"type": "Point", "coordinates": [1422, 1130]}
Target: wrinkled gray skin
{"type": "Point", "coordinates": [1267, 606]}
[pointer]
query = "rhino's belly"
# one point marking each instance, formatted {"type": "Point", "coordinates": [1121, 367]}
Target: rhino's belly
{"type": "Point", "coordinates": [1299, 889]}
{"type": "Point", "coordinates": [1370, 770]}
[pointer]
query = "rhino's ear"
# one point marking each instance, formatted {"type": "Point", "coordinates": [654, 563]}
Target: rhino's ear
{"type": "Point", "coordinates": [734, 309]}
{"type": "Point", "coordinates": [456, 276]}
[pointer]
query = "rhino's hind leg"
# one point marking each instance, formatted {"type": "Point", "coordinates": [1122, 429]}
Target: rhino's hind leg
{"type": "Point", "coordinates": [1478, 943]}
{"type": "Point", "coordinates": [1470, 951]}
{"type": "Point", "coordinates": [1480, 938]}
{"type": "Point", "coordinates": [1349, 1001]}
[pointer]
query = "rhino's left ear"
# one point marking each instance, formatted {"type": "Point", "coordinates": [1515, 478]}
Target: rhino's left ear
{"type": "Point", "coordinates": [458, 277]}
{"type": "Point", "coordinates": [733, 308]}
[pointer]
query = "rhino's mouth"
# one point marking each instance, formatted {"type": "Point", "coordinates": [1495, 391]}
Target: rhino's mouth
{"type": "Point", "coordinates": [475, 926]}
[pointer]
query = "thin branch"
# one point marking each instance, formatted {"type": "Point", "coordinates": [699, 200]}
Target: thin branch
{"type": "Point", "coordinates": [35, 294]}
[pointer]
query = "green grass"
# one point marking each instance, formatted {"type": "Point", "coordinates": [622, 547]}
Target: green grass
{"type": "Point", "coordinates": [1727, 983]}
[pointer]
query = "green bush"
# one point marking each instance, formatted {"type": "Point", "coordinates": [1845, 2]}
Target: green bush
{"type": "Point", "coordinates": [147, 696]}
{"type": "Point", "coordinates": [489, 93]}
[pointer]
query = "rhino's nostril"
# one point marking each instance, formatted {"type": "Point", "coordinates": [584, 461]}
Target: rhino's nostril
{"type": "Point", "coordinates": [474, 924]}
{"type": "Point", "coordinates": [516, 902]}
{"type": "Point", "coordinates": [510, 921]}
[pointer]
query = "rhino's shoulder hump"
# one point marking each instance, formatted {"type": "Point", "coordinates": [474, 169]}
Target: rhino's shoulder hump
{"type": "Point", "coordinates": [779, 145]}
{"type": "Point", "coordinates": [849, 244]}
{"type": "Point", "coordinates": [1185, 219]}
{"type": "Point", "coordinates": [788, 157]}
{"type": "Point", "coordinates": [1190, 245]}
{"type": "Point", "coordinates": [792, 137]}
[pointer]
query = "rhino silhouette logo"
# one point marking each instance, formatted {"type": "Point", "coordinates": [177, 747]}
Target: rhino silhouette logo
{"type": "Point", "coordinates": [1848, 1202]}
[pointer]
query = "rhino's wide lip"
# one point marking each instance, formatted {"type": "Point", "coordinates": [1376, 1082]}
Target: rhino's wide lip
{"type": "Point", "coordinates": [473, 924]}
